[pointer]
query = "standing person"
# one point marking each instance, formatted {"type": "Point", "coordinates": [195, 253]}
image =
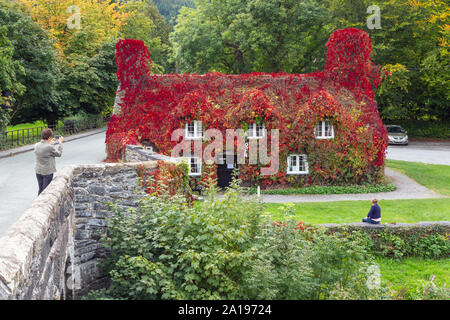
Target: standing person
{"type": "Point", "coordinates": [46, 152]}
{"type": "Point", "coordinates": [374, 215]}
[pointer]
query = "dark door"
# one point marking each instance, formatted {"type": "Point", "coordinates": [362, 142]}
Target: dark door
{"type": "Point", "coordinates": [225, 173]}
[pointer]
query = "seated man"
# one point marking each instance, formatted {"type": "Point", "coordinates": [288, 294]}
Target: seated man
{"type": "Point", "coordinates": [374, 215]}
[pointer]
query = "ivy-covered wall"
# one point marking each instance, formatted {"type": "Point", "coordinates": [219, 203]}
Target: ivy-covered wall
{"type": "Point", "coordinates": [153, 106]}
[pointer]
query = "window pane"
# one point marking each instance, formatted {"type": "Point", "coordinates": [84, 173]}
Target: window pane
{"type": "Point", "coordinates": [199, 129]}
{"type": "Point", "coordinates": [195, 165]}
{"type": "Point", "coordinates": [294, 161]}
{"type": "Point", "coordinates": [328, 129]}
{"type": "Point", "coordinates": [302, 164]}
{"type": "Point", "coordinates": [259, 130]}
{"type": "Point", "coordinates": [251, 129]}
{"type": "Point", "coordinates": [191, 129]}
{"type": "Point", "coordinates": [318, 130]}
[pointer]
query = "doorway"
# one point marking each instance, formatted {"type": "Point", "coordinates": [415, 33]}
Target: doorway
{"type": "Point", "coordinates": [225, 171]}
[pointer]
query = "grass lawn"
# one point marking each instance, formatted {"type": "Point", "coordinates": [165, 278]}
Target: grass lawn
{"type": "Point", "coordinates": [432, 176]}
{"type": "Point", "coordinates": [36, 124]}
{"type": "Point", "coordinates": [435, 177]}
{"type": "Point", "coordinates": [411, 273]}
{"type": "Point", "coordinates": [407, 211]}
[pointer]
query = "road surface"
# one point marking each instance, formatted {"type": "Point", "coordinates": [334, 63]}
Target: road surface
{"type": "Point", "coordinates": [18, 184]}
{"type": "Point", "coordinates": [426, 152]}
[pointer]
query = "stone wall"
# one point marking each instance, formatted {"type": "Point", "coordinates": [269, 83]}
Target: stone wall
{"type": "Point", "coordinates": [53, 251]}
{"type": "Point", "coordinates": [35, 252]}
{"type": "Point", "coordinates": [138, 154]}
{"type": "Point", "coordinates": [94, 187]}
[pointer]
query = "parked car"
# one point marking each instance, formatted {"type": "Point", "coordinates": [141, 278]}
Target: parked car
{"type": "Point", "coordinates": [397, 135]}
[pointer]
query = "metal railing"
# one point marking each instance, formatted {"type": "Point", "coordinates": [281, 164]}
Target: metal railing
{"type": "Point", "coordinates": [15, 138]}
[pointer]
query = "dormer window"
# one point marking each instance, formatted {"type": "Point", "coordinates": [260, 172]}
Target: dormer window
{"type": "Point", "coordinates": [195, 166]}
{"type": "Point", "coordinates": [194, 130]}
{"type": "Point", "coordinates": [256, 130]}
{"type": "Point", "coordinates": [297, 164]}
{"type": "Point", "coordinates": [324, 130]}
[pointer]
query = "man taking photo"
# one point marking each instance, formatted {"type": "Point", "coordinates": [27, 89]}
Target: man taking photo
{"type": "Point", "coordinates": [45, 152]}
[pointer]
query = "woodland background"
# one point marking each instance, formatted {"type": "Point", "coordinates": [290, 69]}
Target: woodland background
{"type": "Point", "coordinates": [49, 71]}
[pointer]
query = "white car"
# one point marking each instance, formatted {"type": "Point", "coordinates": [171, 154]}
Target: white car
{"type": "Point", "coordinates": [397, 135]}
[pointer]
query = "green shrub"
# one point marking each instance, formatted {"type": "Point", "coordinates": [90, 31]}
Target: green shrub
{"type": "Point", "coordinates": [391, 245]}
{"type": "Point", "coordinates": [356, 189]}
{"type": "Point", "coordinates": [226, 249]}
{"type": "Point", "coordinates": [430, 242]}
{"type": "Point", "coordinates": [431, 291]}
{"type": "Point", "coordinates": [433, 247]}
{"type": "Point", "coordinates": [82, 122]}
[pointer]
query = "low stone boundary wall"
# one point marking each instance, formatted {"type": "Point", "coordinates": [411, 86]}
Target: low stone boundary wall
{"type": "Point", "coordinates": [53, 250]}
{"type": "Point", "coordinates": [422, 239]}
{"type": "Point", "coordinates": [387, 226]}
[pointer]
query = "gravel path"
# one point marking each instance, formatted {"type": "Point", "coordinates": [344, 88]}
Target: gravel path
{"type": "Point", "coordinates": [407, 188]}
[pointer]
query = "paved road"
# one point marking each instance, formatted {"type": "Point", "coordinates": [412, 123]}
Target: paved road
{"type": "Point", "coordinates": [18, 185]}
{"type": "Point", "coordinates": [427, 152]}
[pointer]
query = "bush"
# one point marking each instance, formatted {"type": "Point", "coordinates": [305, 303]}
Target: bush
{"type": "Point", "coordinates": [356, 189]}
{"type": "Point", "coordinates": [431, 242]}
{"type": "Point", "coordinates": [432, 247]}
{"type": "Point", "coordinates": [83, 122]}
{"type": "Point", "coordinates": [430, 291]}
{"type": "Point", "coordinates": [226, 249]}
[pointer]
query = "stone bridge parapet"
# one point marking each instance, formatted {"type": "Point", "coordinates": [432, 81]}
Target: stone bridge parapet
{"type": "Point", "coordinates": [53, 250]}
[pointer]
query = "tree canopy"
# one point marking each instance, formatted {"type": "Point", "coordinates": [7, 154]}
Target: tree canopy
{"type": "Point", "coordinates": [64, 71]}
{"type": "Point", "coordinates": [237, 36]}
{"type": "Point", "coordinates": [70, 68]}
{"type": "Point", "coordinates": [170, 8]}
{"type": "Point", "coordinates": [35, 52]}
{"type": "Point", "coordinates": [8, 80]}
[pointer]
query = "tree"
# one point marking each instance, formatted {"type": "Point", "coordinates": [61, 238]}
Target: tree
{"type": "Point", "coordinates": [34, 50]}
{"type": "Point", "coordinates": [237, 36]}
{"type": "Point", "coordinates": [414, 38]}
{"type": "Point", "coordinates": [105, 18]}
{"type": "Point", "coordinates": [436, 63]}
{"type": "Point", "coordinates": [9, 85]}
{"type": "Point", "coordinates": [86, 51]}
{"type": "Point", "coordinates": [170, 8]}
{"type": "Point", "coordinates": [146, 24]}
{"type": "Point", "coordinates": [392, 92]}
{"type": "Point", "coordinates": [90, 84]}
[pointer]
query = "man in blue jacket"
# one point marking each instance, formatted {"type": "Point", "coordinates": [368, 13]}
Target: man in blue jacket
{"type": "Point", "coordinates": [374, 215]}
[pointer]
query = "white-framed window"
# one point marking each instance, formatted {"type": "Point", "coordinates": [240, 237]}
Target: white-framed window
{"type": "Point", "coordinates": [324, 130]}
{"type": "Point", "coordinates": [195, 166]}
{"type": "Point", "coordinates": [194, 130]}
{"type": "Point", "coordinates": [256, 130]}
{"type": "Point", "coordinates": [297, 164]}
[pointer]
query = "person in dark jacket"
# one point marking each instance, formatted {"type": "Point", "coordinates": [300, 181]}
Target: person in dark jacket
{"type": "Point", "coordinates": [374, 215]}
{"type": "Point", "coordinates": [46, 152]}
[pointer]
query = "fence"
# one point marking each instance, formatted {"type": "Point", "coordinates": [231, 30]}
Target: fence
{"type": "Point", "coordinates": [20, 137]}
